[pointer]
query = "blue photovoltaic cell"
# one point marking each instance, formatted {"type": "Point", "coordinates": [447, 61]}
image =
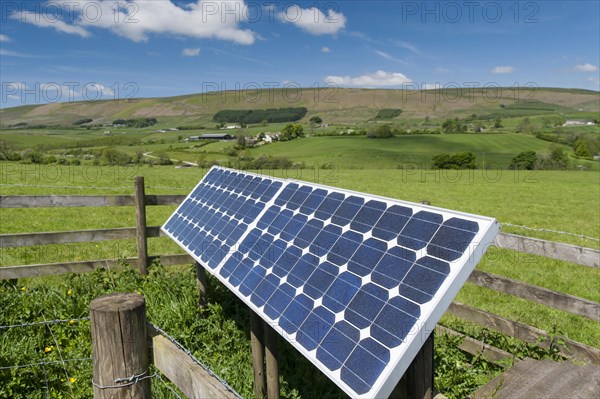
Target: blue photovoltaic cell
{"type": "Point", "coordinates": [346, 277]}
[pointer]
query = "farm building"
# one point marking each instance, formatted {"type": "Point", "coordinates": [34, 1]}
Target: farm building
{"type": "Point", "coordinates": [578, 123]}
{"type": "Point", "coordinates": [215, 136]}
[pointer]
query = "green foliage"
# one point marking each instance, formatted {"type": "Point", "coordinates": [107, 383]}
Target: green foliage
{"type": "Point", "coordinates": [82, 121]}
{"type": "Point", "coordinates": [191, 127]}
{"type": "Point", "coordinates": [460, 160]}
{"type": "Point", "coordinates": [272, 115]}
{"type": "Point", "coordinates": [456, 373]}
{"type": "Point", "coordinates": [453, 126]}
{"type": "Point", "coordinates": [112, 156]}
{"type": "Point", "coordinates": [291, 131]}
{"type": "Point", "coordinates": [8, 152]}
{"type": "Point", "coordinates": [556, 160]}
{"type": "Point", "coordinates": [136, 123]}
{"type": "Point", "coordinates": [388, 113]}
{"type": "Point", "coordinates": [525, 160]}
{"type": "Point", "coordinates": [581, 149]}
{"type": "Point", "coordinates": [497, 123]}
{"type": "Point", "coordinates": [317, 120]}
{"type": "Point", "coordinates": [30, 156]}
{"type": "Point", "coordinates": [240, 141]}
{"type": "Point", "coordinates": [163, 158]}
{"type": "Point", "coordinates": [381, 132]}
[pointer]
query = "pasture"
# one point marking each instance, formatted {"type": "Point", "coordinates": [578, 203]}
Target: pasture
{"type": "Point", "coordinates": [533, 199]}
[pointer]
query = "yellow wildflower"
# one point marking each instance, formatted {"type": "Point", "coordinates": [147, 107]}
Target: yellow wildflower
{"type": "Point", "coordinates": [48, 349]}
{"type": "Point", "coordinates": [72, 380]}
{"type": "Point", "coordinates": [71, 322]}
{"type": "Point", "coordinates": [69, 292]}
{"type": "Point", "coordinates": [23, 289]}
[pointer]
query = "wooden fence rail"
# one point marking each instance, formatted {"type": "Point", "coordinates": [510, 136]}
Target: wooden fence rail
{"type": "Point", "coordinates": [549, 249]}
{"type": "Point", "coordinates": [557, 300]}
{"type": "Point", "coordinates": [55, 201]}
{"type": "Point", "coordinates": [526, 333]}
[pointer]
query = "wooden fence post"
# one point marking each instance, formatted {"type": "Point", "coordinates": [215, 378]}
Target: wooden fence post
{"type": "Point", "coordinates": [140, 217]}
{"type": "Point", "coordinates": [119, 347]}
{"type": "Point", "coordinates": [272, 360]}
{"type": "Point", "coordinates": [201, 285]}
{"type": "Point", "coordinates": [258, 355]}
{"type": "Point", "coordinates": [417, 382]}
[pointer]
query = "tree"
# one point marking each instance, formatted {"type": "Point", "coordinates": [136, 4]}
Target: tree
{"type": "Point", "coordinates": [163, 158]}
{"type": "Point", "coordinates": [316, 120]}
{"type": "Point", "coordinates": [453, 126]}
{"type": "Point", "coordinates": [382, 132]}
{"type": "Point", "coordinates": [498, 123]}
{"type": "Point", "coordinates": [557, 159]}
{"type": "Point", "coordinates": [240, 141]}
{"type": "Point", "coordinates": [291, 132]}
{"type": "Point", "coordinates": [8, 153]}
{"type": "Point", "coordinates": [460, 160]}
{"type": "Point", "coordinates": [525, 126]}
{"type": "Point", "coordinates": [581, 149]}
{"type": "Point", "coordinates": [525, 160]}
{"type": "Point", "coordinates": [112, 156]}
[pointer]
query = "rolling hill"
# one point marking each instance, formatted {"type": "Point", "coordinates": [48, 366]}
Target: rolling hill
{"type": "Point", "coordinates": [335, 105]}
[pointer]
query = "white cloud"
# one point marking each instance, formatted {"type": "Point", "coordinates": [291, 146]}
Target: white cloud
{"type": "Point", "coordinates": [4, 38]}
{"type": "Point", "coordinates": [190, 52]}
{"type": "Point", "coordinates": [326, 50]}
{"type": "Point", "coordinates": [137, 19]}
{"type": "Point", "coordinates": [587, 67]}
{"type": "Point", "coordinates": [369, 80]}
{"type": "Point", "coordinates": [389, 57]}
{"type": "Point", "coordinates": [10, 53]}
{"type": "Point", "coordinates": [410, 47]}
{"type": "Point", "coordinates": [383, 55]}
{"type": "Point", "coordinates": [313, 21]}
{"type": "Point", "coordinates": [503, 69]}
{"type": "Point", "coordinates": [47, 21]}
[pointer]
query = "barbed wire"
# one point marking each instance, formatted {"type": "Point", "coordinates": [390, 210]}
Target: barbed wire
{"type": "Point", "coordinates": [48, 326]}
{"type": "Point", "coordinates": [157, 375]}
{"type": "Point", "coordinates": [552, 231]}
{"type": "Point", "coordinates": [195, 360]}
{"type": "Point", "coordinates": [130, 188]}
{"type": "Point", "coordinates": [21, 366]}
{"type": "Point", "coordinates": [126, 381]}
{"type": "Point", "coordinates": [39, 323]}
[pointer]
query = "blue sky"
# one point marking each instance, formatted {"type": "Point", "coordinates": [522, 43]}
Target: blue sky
{"type": "Point", "coordinates": [64, 50]}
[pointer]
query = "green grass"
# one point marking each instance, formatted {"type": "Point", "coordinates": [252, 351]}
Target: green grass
{"type": "Point", "coordinates": [220, 339]}
{"type": "Point", "coordinates": [493, 151]}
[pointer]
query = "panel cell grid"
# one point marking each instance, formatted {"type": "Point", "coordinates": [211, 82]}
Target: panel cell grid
{"type": "Point", "coordinates": [353, 281]}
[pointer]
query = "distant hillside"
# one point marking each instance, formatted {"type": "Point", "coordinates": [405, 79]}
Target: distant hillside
{"type": "Point", "coordinates": [333, 105]}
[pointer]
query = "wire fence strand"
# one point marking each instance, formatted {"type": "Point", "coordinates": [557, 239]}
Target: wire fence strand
{"type": "Point", "coordinates": [195, 360]}
{"type": "Point", "coordinates": [552, 231]}
{"type": "Point", "coordinates": [46, 322]}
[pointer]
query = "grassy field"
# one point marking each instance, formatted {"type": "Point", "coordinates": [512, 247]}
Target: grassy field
{"type": "Point", "coordinates": [559, 206]}
{"type": "Point", "coordinates": [514, 198]}
{"type": "Point", "coordinates": [534, 199]}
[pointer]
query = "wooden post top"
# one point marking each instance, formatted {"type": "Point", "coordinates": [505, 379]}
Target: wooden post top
{"type": "Point", "coordinates": [117, 302]}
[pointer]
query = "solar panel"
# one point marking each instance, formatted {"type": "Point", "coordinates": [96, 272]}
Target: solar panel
{"type": "Point", "coordinates": [353, 281]}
